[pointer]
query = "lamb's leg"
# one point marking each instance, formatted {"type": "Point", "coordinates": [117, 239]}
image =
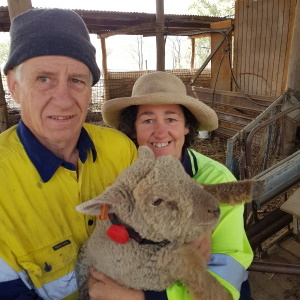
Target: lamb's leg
{"type": "Point", "coordinates": [82, 273]}
{"type": "Point", "coordinates": [192, 271]}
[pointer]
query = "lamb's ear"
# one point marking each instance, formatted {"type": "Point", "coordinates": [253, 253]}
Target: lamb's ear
{"type": "Point", "coordinates": [235, 192]}
{"type": "Point", "coordinates": [91, 207]}
{"type": "Point", "coordinates": [146, 153]}
{"type": "Point", "coordinates": [94, 206]}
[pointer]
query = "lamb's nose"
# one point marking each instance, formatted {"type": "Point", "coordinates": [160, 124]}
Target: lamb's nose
{"type": "Point", "coordinates": [216, 212]}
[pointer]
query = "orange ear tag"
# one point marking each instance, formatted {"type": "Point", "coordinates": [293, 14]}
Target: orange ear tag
{"type": "Point", "coordinates": [104, 212]}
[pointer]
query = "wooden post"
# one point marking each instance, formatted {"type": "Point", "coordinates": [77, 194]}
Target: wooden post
{"type": "Point", "coordinates": [192, 55]}
{"type": "Point", "coordinates": [106, 95]}
{"type": "Point", "coordinates": [3, 108]}
{"type": "Point", "coordinates": [293, 81]}
{"type": "Point", "coordinates": [16, 7]}
{"type": "Point", "coordinates": [293, 78]}
{"type": "Point", "coordinates": [160, 42]}
{"type": "Point", "coordinates": [220, 69]}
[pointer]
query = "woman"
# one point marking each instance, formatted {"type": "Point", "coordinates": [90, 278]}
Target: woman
{"type": "Point", "coordinates": [161, 116]}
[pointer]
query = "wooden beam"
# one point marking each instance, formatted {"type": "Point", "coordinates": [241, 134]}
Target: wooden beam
{"type": "Point", "coordinates": [210, 56]}
{"type": "Point", "coordinates": [192, 54]}
{"type": "Point", "coordinates": [221, 26]}
{"type": "Point", "coordinates": [104, 70]}
{"type": "Point", "coordinates": [293, 80]}
{"type": "Point", "coordinates": [129, 29]}
{"type": "Point", "coordinates": [3, 108]}
{"type": "Point", "coordinates": [16, 7]}
{"type": "Point", "coordinates": [160, 38]}
{"type": "Point", "coordinates": [205, 33]}
{"type": "Point", "coordinates": [220, 68]}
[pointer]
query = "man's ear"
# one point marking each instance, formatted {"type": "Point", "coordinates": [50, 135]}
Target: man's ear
{"type": "Point", "coordinates": [13, 85]}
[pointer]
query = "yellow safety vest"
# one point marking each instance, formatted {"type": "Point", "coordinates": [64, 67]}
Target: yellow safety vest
{"type": "Point", "coordinates": [40, 230]}
{"type": "Point", "coordinates": [231, 251]}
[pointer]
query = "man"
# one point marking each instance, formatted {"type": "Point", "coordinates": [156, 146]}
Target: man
{"type": "Point", "coordinates": [51, 161]}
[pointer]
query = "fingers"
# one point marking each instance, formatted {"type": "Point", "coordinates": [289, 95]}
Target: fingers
{"type": "Point", "coordinates": [102, 287]}
{"type": "Point", "coordinates": [97, 275]}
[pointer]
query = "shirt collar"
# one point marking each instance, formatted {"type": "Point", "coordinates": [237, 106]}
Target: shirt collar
{"type": "Point", "coordinates": [44, 160]}
{"type": "Point", "coordinates": [186, 162]}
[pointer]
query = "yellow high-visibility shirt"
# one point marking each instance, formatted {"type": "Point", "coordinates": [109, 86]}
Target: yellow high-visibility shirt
{"type": "Point", "coordinates": [40, 230]}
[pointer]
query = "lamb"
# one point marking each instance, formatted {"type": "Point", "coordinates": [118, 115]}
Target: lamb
{"type": "Point", "coordinates": [155, 209]}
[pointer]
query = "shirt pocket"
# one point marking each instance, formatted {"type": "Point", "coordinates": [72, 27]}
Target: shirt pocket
{"type": "Point", "coordinates": [51, 262]}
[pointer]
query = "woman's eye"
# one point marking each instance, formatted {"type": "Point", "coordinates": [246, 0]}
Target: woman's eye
{"type": "Point", "coordinates": [171, 120]}
{"type": "Point", "coordinates": [157, 202]}
{"type": "Point", "coordinates": [148, 121]}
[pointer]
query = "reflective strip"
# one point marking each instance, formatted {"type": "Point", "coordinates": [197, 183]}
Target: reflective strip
{"type": "Point", "coordinates": [228, 268]}
{"type": "Point", "coordinates": [59, 288]}
{"type": "Point", "coordinates": [6, 272]}
{"type": "Point", "coordinates": [54, 290]}
{"type": "Point", "coordinates": [9, 274]}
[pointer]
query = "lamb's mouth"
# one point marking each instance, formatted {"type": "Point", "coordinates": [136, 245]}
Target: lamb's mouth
{"type": "Point", "coordinates": [160, 145]}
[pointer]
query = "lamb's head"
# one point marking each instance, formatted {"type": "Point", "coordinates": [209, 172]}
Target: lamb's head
{"type": "Point", "coordinates": [157, 198]}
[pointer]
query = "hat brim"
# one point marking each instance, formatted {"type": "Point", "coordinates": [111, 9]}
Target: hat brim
{"type": "Point", "coordinates": [206, 116]}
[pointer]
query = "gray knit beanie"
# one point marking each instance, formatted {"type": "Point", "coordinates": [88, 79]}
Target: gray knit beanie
{"type": "Point", "coordinates": [39, 32]}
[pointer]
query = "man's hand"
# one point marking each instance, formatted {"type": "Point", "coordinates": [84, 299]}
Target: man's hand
{"type": "Point", "coordinates": [102, 287]}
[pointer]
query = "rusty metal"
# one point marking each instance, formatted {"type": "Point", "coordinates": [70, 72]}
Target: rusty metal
{"type": "Point", "coordinates": [249, 140]}
{"type": "Point", "coordinates": [259, 145]}
{"type": "Point", "coordinates": [272, 267]}
{"type": "Point", "coordinates": [266, 227]}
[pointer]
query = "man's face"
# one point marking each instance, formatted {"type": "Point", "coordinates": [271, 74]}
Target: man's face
{"type": "Point", "coordinates": [54, 93]}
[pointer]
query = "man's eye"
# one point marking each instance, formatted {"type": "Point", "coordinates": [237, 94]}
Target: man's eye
{"type": "Point", "coordinates": [75, 80]}
{"type": "Point", "coordinates": [43, 79]}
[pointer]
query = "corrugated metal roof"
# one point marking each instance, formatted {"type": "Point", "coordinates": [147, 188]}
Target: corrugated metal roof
{"type": "Point", "coordinates": [134, 23]}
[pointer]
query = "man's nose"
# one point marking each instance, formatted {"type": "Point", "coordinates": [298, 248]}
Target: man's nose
{"type": "Point", "coordinates": [62, 93]}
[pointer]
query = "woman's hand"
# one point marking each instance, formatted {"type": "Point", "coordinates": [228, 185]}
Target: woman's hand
{"type": "Point", "coordinates": [203, 245]}
{"type": "Point", "coordinates": [102, 287]}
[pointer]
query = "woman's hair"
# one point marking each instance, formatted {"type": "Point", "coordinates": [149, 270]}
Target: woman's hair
{"type": "Point", "coordinates": [129, 116]}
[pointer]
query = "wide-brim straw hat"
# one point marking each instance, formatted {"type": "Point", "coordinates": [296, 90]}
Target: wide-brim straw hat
{"type": "Point", "coordinates": [160, 88]}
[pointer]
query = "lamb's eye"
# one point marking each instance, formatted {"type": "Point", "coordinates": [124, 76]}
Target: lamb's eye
{"type": "Point", "coordinates": [157, 202]}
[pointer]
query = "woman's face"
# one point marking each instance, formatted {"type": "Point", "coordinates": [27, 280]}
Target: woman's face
{"type": "Point", "coordinates": [162, 128]}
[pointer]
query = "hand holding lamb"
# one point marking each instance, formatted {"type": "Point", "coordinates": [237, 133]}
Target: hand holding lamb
{"type": "Point", "coordinates": [155, 209]}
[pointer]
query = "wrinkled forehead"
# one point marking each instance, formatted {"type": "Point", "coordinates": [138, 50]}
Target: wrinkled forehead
{"type": "Point", "coordinates": [54, 63]}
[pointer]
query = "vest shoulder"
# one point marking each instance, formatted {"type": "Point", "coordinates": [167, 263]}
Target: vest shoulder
{"type": "Point", "coordinates": [94, 129]}
{"type": "Point", "coordinates": [9, 141]}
